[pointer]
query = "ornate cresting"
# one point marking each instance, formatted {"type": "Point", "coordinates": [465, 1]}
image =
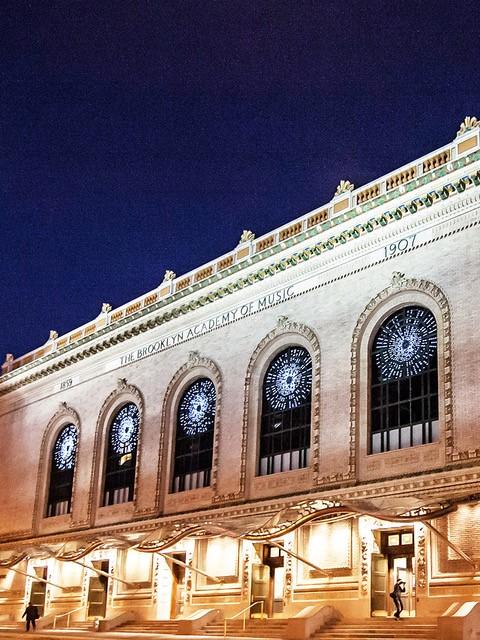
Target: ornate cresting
{"type": "Point", "coordinates": [469, 123]}
{"type": "Point", "coordinates": [345, 186]}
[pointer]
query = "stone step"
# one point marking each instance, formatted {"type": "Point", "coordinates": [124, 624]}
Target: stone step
{"type": "Point", "coordinates": [380, 629]}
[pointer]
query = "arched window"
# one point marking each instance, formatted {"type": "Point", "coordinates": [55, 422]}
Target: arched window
{"type": "Point", "coordinates": [404, 381]}
{"type": "Point", "coordinates": [62, 467]}
{"type": "Point", "coordinates": [122, 455]}
{"type": "Point", "coordinates": [194, 436]}
{"type": "Point", "coordinates": [286, 412]}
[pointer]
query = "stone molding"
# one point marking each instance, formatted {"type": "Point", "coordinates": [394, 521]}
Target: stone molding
{"type": "Point", "coordinates": [284, 327]}
{"type": "Point", "coordinates": [279, 266]}
{"type": "Point", "coordinates": [399, 284]}
{"type": "Point", "coordinates": [168, 418]}
{"type": "Point", "coordinates": [392, 487]}
{"type": "Point", "coordinates": [63, 416]}
{"type": "Point", "coordinates": [124, 393]}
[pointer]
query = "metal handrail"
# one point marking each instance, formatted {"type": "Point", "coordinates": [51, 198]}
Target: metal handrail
{"type": "Point", "coordinates": [244, 611]}
{"type": "Point", "coordinates": [67, 613]}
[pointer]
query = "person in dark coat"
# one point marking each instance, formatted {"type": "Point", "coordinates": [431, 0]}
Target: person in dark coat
{"type": "Point", "coordinates": [31, 614]}
{"type": "Point", "coordinates": [396, 595]}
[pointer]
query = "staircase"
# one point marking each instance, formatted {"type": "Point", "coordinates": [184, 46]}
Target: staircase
{"type": "Point", "coordinates": [380, 628]}
{"type": "Point", "coordinates": [254, 628]}
{"type": "Point", "coordinates": [150, 626]}
{"type": "Point", "coordinates": [75, 625]}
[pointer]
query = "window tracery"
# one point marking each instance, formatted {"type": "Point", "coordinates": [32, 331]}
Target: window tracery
{"type": "Point", "coordinates": [286, 412]}
{"type": "Point", "coordinates": [194, 436]}
{"type": "Point", "coordinates": [404, 381]}
{"type": "Point", "coordinates": [62, 471]}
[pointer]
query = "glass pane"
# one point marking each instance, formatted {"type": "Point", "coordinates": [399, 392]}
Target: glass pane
{"type": "Point", "coordinates": [393, 438]}
{"type": "Point", "coordinates": [277, 463]}
{"type": "Point", "coordinates": [393, 540]}
{"type": "Point", "coordinates": [417, 434]}
{"type": "Point", "coordinates": [435, 431]}
{"type": "Point", "coordinates": [407, 538]}
{"type": "Point", "coordinates": [404, 437]}
{"type": "Point", "coordinates": [376, 442]}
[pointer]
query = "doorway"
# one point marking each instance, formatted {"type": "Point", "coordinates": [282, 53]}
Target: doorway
{"type": "Point", "coordinates": [97, 590]}
{"type": "Point", "coordinates": [178, 585]}
{"type": "Point", "coordinates": [38, 590]}
{"type": "Point", "coordinates": [268, 582]}
{"type": "Point", "coordinates": [395, 561]}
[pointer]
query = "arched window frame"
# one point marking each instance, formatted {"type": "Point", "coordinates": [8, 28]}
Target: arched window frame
{"type": "Point", "coordinates": [195, 368]}
{"type": "Point", "coordinates": [119, 397]}
{"type": "Point", "coordinates": [179, 486]}
{"type": "Point", "coordinates": [64, 416]}
{"type": "Point", "coordinates": [403, 292]}
{"type": "Point", "coordinates": [286, 334]}
{"type": "Point", "coordinates": [111, 455]}
{"type": "Point", "coordinates": [284, 457]}
{"type": "Point", "coordinates": [53, 471]}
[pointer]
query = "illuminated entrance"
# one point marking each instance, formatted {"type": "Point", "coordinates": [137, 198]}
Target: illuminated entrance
{"type": "Point", "coordinates": [396, 561]}
{"type": "Point", "coordinates": [268, 581]}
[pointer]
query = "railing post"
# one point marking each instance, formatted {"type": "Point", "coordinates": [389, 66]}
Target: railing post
{"type": "Point", "coordinates": [261, 610]}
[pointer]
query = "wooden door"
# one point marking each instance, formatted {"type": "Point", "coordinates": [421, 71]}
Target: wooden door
{"type": "Point", "coordinates": [97, 591]}
{"type": "Point", "coordinates": [178, 586]}
{"type": "Point", "coordinates": [38, 591]}
{"type": "Point", "coordinates": [379, 593]}
{"type": "Point", "coordinates": [260, 589]}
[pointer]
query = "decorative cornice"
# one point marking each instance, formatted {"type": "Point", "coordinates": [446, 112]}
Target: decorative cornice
{"type": "Point", "coordinates": [320, 248]}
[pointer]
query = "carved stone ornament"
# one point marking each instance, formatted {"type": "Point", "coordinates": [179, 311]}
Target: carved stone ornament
{"type": "Point", "coordinates": [169, 275]}
{"type": "Point", "coordinates": [398, 279]}
{"type": "Point", "coordinates": [283, 322]}
{"type": "Point", "coordinates": [53, 335]}
{"type": "Point", "coordinates": [9, 358]}
{"type": "Point", "coordinates": [121, 383]}
{"type": "Point", "coordinates": [344, 187]}
{"type": "Point", "coordinates": [247, 236]}
{"type": "Point", "coordinates": [106, 307]}
{"type": "Point", "coordinates": [193, 358]}
{"type": "Point", "coordinates": [469, 123]}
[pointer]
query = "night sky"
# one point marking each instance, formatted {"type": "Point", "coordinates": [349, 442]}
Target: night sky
{"type": "Point", "coordinates": [142, 136]}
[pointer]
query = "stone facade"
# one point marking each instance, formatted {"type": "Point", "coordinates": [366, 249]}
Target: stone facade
{"type": "Point", "coordinates": [411, 238]}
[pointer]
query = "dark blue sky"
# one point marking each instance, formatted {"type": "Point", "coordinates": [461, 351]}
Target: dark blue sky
{"type": "Point", "coordinates": [142, 135]}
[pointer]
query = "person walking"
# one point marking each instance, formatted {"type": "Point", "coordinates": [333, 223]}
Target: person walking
{"type": "Point", "coordinates": [31, 614]}
{"type": "Point", "coordinates": [398, 589]}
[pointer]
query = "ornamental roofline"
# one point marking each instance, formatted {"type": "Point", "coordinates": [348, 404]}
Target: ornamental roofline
{"type": "Point", "coordinates": [346, 204]}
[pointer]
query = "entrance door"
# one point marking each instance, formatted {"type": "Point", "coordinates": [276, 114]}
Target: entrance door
{"type": "Point", "coordinates": [97, 591]}
{"type": "Point", "coordinates": [403, 568]}
{"type": "Point", "coordinates": [268, 582]}
{"type": "Point", "coordinates": [379, 584]}
{"type": "Point", "coordinates": [178, 585]}
{"type": "Point", "coordinates": [38, 590]}
{"type": "Point", "coordinates": [395, 561]}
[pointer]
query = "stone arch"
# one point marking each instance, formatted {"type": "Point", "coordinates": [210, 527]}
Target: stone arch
{"type": "Point", "coordinates": [196, 366]}
{"type": "Point", "coordinates": [285, 334]}
{"type": "Point", "coordinates": [123, 393]}
{"type": "Point", "coordinates": [63, 416]}
{"type": "Point", "coordinates": [401, 292]}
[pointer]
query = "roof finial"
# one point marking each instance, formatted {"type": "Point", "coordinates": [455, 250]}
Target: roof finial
{"type": "Point", "coordinates": [470, 122]}
{"type": "Point", "coordinates": [344, 187]}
